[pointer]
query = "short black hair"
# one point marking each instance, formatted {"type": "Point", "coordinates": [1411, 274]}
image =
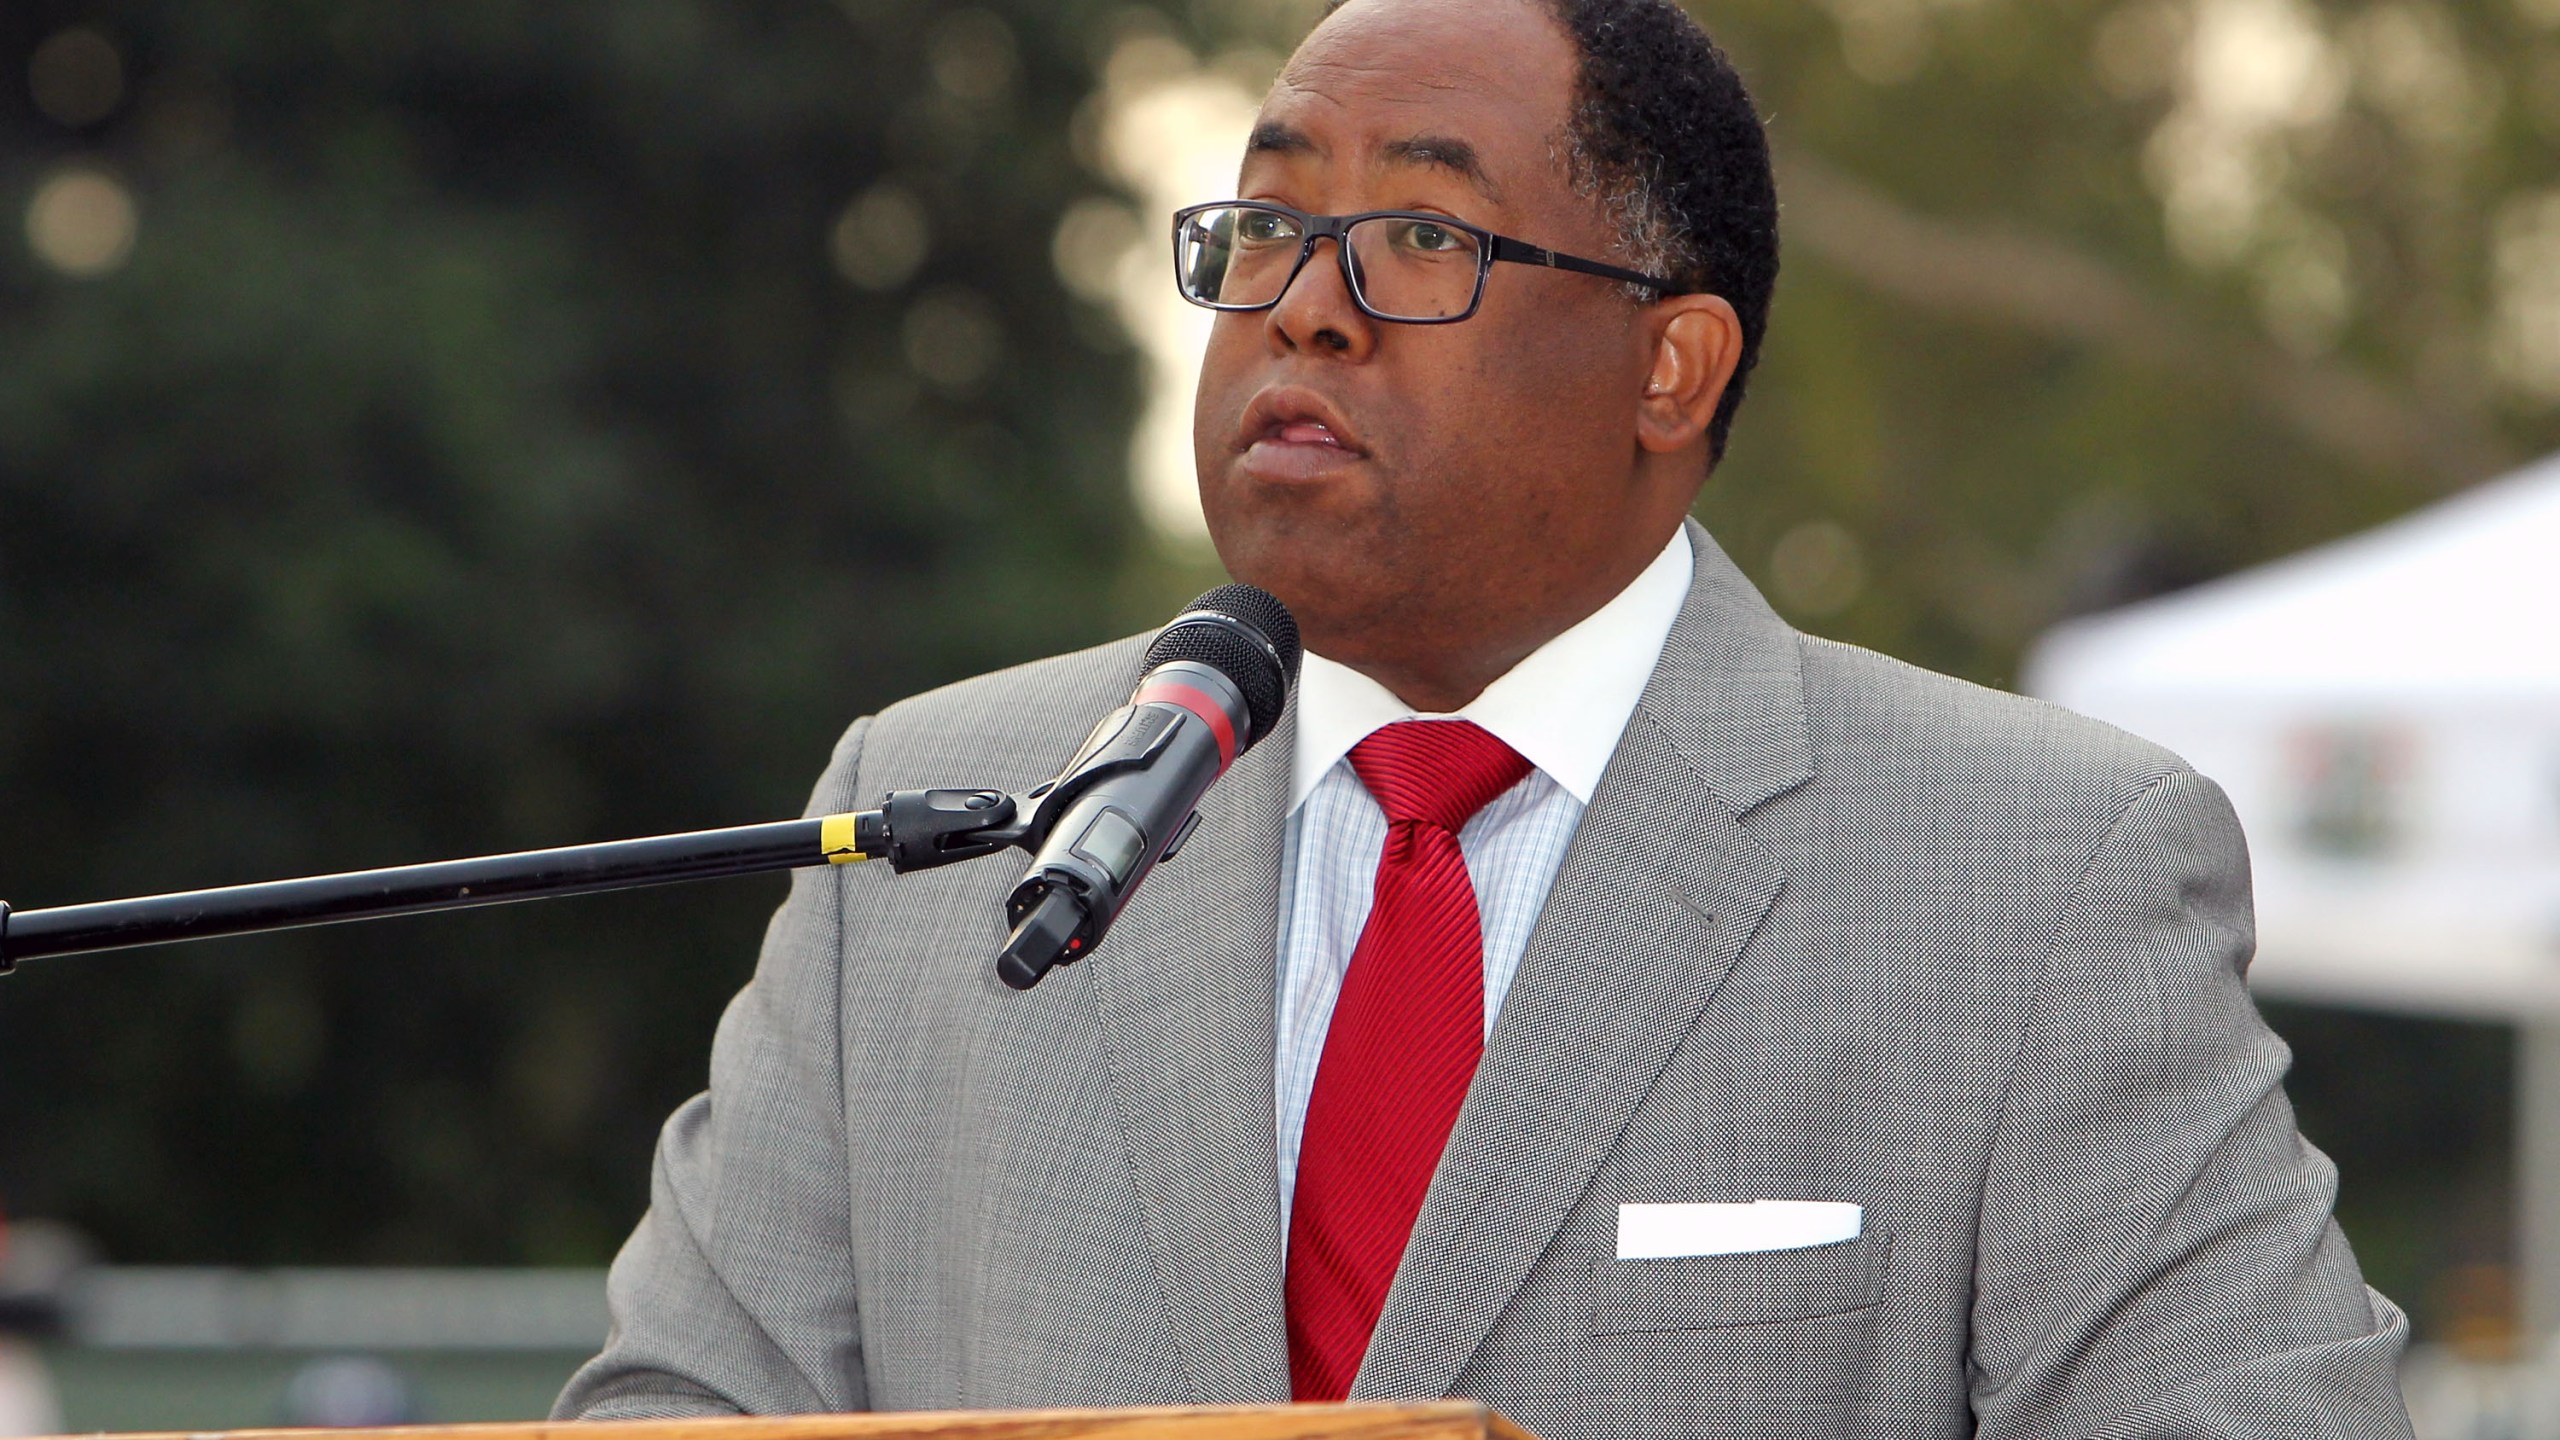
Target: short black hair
{"type": "Point", "coordinates": [1664, 136]}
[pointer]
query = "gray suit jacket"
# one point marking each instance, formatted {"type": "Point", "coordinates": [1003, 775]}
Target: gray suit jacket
{"type": "Point", "coordinates": [1833, 928]}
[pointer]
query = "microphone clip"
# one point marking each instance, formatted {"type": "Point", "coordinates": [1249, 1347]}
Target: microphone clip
{"type": "Point", "coordinates": [927, 828]}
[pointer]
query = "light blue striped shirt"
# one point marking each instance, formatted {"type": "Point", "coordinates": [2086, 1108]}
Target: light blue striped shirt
{"type": "Point", "coordinates": [1563, 708]}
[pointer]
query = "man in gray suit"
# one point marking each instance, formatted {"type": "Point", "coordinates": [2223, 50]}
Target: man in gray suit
{"type": "Point", "coordinates": [1861, 1053]}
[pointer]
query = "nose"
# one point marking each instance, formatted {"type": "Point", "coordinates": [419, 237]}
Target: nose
{"type": "Point", "coordinates": [1316, 310]}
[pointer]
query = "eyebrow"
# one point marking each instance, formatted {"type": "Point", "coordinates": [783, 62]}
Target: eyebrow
{"type": "Point", "coordinates": [1273, 138]}
{"type": "Point", "coordinates": [1445, 152]}
{"type": "Point", "coordinates": [1438, 152]}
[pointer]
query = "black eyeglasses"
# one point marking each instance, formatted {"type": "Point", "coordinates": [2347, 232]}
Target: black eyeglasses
{"type": "Point", "coordinates": [1406, 266]}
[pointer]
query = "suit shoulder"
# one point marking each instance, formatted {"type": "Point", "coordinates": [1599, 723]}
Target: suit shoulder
{"type": "Point", "coordinates": [1008, 727]}
{"type": "Point", "coordinates": [2000, 808]}
{"type": "Point", "coordinates": [1108, 669]}
{"type": "Point", "coordinates": [1868, 710]}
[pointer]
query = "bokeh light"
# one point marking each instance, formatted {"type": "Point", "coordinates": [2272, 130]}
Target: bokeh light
{"type": "Point", "coordinates": [2526, 346]}
{"type": "Point", "coordinates": [952, 338]}
{"type": "Point", "coordinates": [880, 238]}
{"type": "Point", "coordinates": [1094, 237]}
{"type": "Point", "coordinates": [82, 222]}
{"type": "Point", "coordinates": [76, 77]}
{"type": "Point", "coordinates": [974, 56]}
{"type": "Point", "coordinates": [1817, 568]}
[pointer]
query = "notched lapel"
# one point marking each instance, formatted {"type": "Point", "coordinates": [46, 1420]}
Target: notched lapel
{"type": "Point", "coordinates": [1184, 987]}
{"type": "Point", "coordinates": [1659, 893]}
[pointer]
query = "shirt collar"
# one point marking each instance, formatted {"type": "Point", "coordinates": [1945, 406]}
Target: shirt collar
{"type": "Point", "coordinates": [1562, 707]}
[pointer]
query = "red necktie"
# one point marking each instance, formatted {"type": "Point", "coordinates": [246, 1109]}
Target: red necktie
{"type": "Point", "coordinates": [1402, 1046]}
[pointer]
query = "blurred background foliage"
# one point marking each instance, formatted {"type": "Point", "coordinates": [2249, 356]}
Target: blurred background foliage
{"type": "Point", "coordinates": [435, 429]}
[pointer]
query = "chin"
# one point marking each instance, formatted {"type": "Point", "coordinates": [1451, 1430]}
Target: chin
{"type": "Point", "coordinates": [1327, 589]}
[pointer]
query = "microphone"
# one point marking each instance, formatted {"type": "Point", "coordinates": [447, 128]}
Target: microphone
{"type": "Point", "coordinates": [1216, 681]}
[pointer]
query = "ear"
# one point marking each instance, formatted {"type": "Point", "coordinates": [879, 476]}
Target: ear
{"type": "Point", "coordinates": [1695, 342]}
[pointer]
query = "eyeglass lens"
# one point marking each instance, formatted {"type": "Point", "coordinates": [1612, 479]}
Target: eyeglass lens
{"type": "Point", "coordinates": [1403, 268]}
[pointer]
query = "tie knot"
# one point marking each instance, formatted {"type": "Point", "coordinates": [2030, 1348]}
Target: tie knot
{"type": "Point", "coordinates": [1439, 772]}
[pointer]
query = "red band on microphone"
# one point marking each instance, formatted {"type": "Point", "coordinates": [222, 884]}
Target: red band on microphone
{"type": "Point", "coordinates": [1211, 713]}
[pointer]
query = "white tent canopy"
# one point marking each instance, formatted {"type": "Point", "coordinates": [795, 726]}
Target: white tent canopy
{"type": "Point", "coordinates": [2385, 713]}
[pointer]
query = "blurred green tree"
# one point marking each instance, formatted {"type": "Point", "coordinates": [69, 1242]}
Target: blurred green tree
{"type": "Point", "coordinates": [432, 429]}
{"type": "Point", "coordinates": [2087, 299]}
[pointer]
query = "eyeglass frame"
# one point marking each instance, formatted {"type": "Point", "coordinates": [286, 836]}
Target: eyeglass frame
{"type": "Point", "coordinates": [1490, 248]}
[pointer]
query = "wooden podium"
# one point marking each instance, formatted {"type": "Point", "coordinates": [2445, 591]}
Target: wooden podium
{"type": "Point", "coordinates": [1424, 1420]}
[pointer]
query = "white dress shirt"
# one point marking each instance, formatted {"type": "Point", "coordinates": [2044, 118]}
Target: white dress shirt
{"type": "Point", "coordinates": [1562, 707]}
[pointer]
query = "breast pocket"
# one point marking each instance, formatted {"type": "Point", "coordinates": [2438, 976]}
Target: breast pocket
{"type": "Point", "coordinates": [1714, 1292]}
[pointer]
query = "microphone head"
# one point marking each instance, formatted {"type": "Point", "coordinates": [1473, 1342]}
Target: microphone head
{"type": "Point", "coordinates": [1244, 633]}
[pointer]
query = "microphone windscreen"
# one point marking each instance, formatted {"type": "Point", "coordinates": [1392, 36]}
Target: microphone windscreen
{"type": "Point", "coordinates": [1244, 633]}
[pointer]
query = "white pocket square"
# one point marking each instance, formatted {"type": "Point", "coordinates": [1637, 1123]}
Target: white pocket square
{"type": "Point", "coordinates": [1659, 1232]}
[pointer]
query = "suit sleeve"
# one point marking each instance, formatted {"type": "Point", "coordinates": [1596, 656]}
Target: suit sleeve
{"type": "Point", "coordinates": [736, 1294]}
{"type": "Point", "coordinates": [2157, 1256]}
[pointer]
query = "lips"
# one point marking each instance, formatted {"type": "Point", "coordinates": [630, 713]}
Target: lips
{"type": "Point", "coordinates": [1292, 416]}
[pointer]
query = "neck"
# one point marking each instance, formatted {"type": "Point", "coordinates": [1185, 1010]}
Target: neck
{"type": "Point", "coordinates": [1440, 663]}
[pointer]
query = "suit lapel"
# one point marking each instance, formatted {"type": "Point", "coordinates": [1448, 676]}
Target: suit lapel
{"type": "Point", "coordinates": [1184, 986]}
{"type": "Point", "coordinates": [1659, 892]}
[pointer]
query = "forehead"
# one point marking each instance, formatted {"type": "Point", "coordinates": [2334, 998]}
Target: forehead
{"type": "Point", "coordinates": [1476, 89]}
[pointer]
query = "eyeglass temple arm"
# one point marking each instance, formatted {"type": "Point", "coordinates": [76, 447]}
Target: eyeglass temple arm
{"type": "Point", "coordinates": [1521, 252]}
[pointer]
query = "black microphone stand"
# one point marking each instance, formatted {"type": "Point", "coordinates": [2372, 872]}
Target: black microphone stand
{"type": "Point", "coordinates": [912, 830]}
